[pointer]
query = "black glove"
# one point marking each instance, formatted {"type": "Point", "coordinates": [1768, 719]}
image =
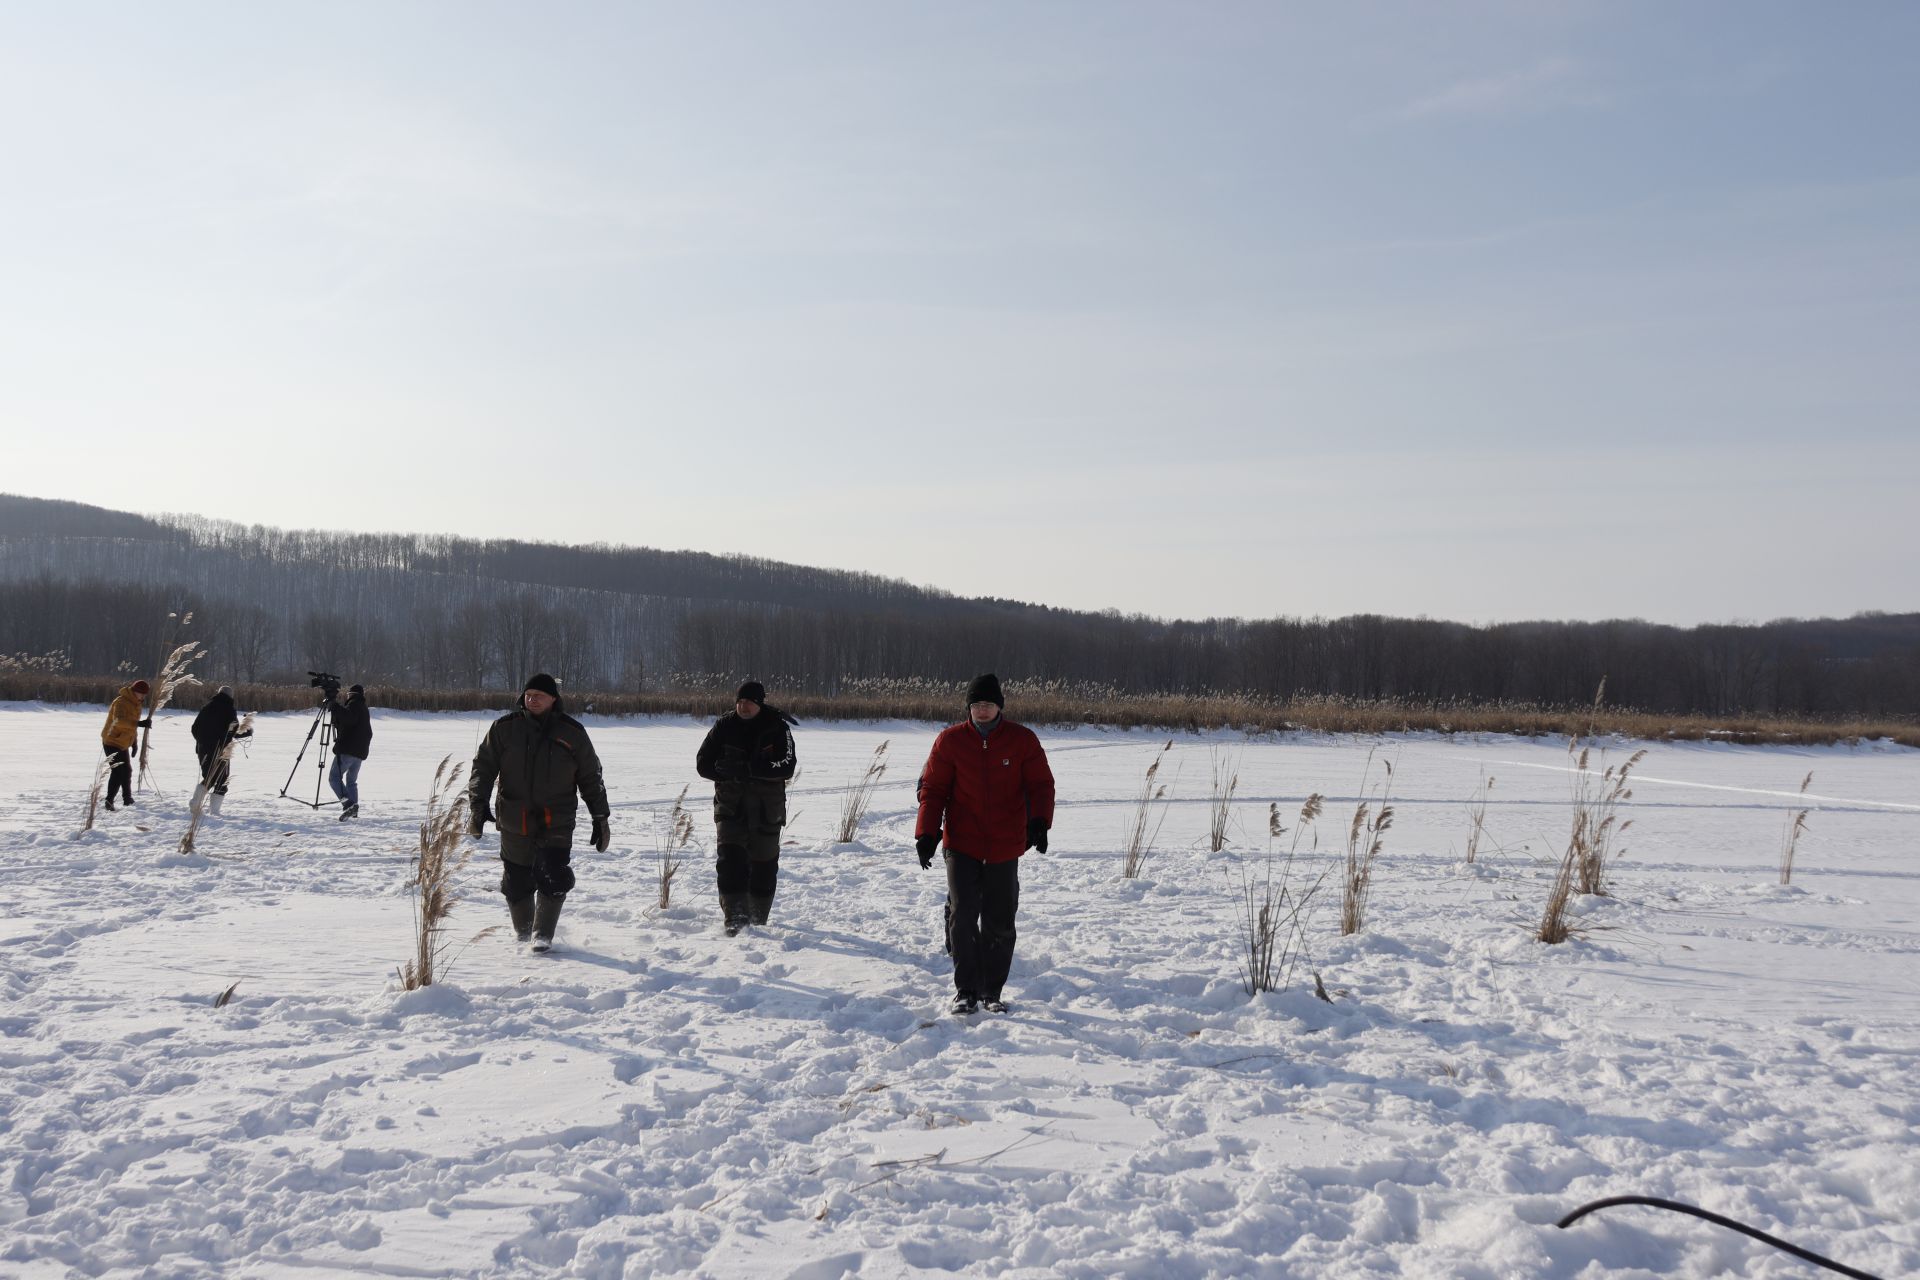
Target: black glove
{"type": "Point", "coordinates": [1037, 834]}
{"type": "Point", "coordinates": [477, 821]}
{"type": "Point", "coordinates": [145, 724]}
{"type": "Point", "coordinates": [926, 846]}
{"type": "Point", "coordinates": [602, 833]}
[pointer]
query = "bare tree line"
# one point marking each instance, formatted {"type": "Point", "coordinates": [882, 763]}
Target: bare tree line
{"type": "Point", "coordinates": [445, 613]}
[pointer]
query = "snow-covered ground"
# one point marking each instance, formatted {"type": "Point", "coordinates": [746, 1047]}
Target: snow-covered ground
{"type": "Point", "coordinates": [656, 1098]}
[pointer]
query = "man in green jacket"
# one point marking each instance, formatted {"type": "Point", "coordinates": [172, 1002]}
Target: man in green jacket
{"type": "Point", "coordinates": [540, 757]}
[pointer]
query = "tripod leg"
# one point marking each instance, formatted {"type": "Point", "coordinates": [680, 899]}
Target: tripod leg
{"type": "Point", "coordinates": [318, 717]}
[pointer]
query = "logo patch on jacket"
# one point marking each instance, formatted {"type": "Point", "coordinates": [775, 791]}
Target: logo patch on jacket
{"type": "Point", "coordinates": [1006, 762]}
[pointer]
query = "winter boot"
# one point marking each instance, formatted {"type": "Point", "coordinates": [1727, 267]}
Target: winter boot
{"type": "Point", "coordinates": [965, 1002]}
{"type": "Point", "coordinates": [215, 804]}
{"type": "Point", "coordinates": [737, 912]}
{"type": "Point", "coordinates": [758, 905]}
{"type": "Point", "coordinates": [993, 1004]}
{"type": "Point", "coordinates": [546, 914]}
{"type": "Point", "coordinates": [199, 797]}
{"type": "Point", "coordinates": [521, 913]}
{"type": "Point", "coordinates": [349, 811]}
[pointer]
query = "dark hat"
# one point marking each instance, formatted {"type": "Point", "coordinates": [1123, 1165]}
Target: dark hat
{"type": "Point", "coordinates": [986, 688]}
{"type": "Point", "coordinates": [544, 683]}
{"type": "Point", "coordinates": [752, 691]}
{"type": "Point", "coordinates": [356, 688]}
{"type": "Point", "coordinates": [140, 687]}
{"type": "Point", "coordinates": [224, 691]}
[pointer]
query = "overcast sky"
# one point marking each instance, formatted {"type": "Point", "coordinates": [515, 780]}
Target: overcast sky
{"type": "Point", "coordinates": [1479, 311]}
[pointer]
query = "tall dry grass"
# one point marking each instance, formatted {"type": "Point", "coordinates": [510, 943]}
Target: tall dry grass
{"type": "Point", "coordinates": [93, 796]}
{"type": "Point", "coordinates": [1593, 840]}
{"type": "Point", "coordinates": [1274, 911]}
{"type": "Point", "coordinates": [1366, 834]}
{"type": "Point", "coordinates": [1796, 827]}
{"type": "Point", "coordinates": [1477, 817]}
{"type": "Point", "coordinates": [859, 795]}
{"type": "Point", "coordinates": [1148, 815]}
{"type": "Point", "coordinates": [1226, 780]}
{"type": "Point", "coordinates": [672, 846]}
{"type": "Point", "coordinates": [173, 676]}
{"type": "Point", "coordinates": [1193, 713]}
{"type": "Point", "coordinates": [442, 856]}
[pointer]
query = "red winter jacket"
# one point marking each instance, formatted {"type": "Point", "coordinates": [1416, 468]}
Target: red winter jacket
{"type": "Point", "coordinates": [985, 789]}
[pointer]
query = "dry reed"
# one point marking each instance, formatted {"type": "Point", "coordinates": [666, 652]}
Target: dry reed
{"type": "Point", "coordinates": [1273, 914]}
{"type": "Point", "coordinates": [1796, 825]}
{"type": "Point", "coordinates": [93, 796]}
{"type": "Point", "coordinates": [1144, 827]}
{"type": "Point", "coordinates": [1226, 779]}
{"type": "Point", "coordinates": [443, 855]}
{"type": "Point", "coordinates": [172, 678]}
{"type": "Point", "coordinates": [1477, 817]}
{"type": "Point", "coordinates": [223, 760]}
{"type": "Point", "coordinates": [859, 794]}
{"type": "Point", "coordinates": [1366, 833]}
{"type": "Point", "coordinates": [1193, 713]}
{"type": "Point", "coordinates": [672, 845]}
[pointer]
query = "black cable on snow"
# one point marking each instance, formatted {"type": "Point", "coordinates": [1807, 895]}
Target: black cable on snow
{"type": "Point", "coordinates": [1745, 1230]}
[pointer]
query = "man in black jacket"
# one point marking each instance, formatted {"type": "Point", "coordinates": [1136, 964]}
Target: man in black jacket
{"type": "Point", "coordinates": [541, 757]}
{"type": "Point", "coordinates": [352, 742]}
{"type": "Point", "coordinates": [748, 756]}
{"type": "Point", "coordinates": [217, 724]}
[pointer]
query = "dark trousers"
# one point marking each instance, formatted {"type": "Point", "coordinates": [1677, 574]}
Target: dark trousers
{"type": "Point", "coordinates": [214, 771]}
{"type": "Point", "coordinates": [120, 779]}
{"type": "Point", "coordinates": [983, 898]}
{"type": "Point", "coordinates": [550, 872]}
{"type": "Point", "coordinates": [738, 871]}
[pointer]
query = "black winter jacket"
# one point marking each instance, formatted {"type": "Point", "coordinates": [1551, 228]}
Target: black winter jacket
{"type": "Point", "coordinates": [352, 727]}
{"type": "Point", "coordinates": [540, 763]}
{"type": "Point", "coordinates": [760, 749]}
{"type": "Point", "coordinates": [215, 724]}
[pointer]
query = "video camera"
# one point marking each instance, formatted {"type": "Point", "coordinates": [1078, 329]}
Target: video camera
{"type": "Point", "coordinates": [327, 684]}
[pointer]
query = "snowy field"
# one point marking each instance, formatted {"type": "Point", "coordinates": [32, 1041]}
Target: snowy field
{"type": "Point", "coordinates": [658, 1099]}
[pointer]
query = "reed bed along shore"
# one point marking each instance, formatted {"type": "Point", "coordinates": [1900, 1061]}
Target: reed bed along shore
{"type": "Point", "coordinates": [1053, 705]}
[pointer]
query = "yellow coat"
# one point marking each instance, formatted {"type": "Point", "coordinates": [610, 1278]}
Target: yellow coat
{"type": "Point", "coordinates": [123, 720]}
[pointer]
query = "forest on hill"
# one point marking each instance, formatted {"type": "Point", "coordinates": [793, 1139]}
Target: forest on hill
{"type": "Point", "coordinates": [106, 590]}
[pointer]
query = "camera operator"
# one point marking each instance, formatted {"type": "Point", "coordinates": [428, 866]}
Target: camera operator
{"type": "Point", "coordinates": [352, 740]}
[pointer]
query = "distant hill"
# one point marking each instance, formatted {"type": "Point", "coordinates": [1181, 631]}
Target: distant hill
{"type": "Point", "coordinates": [435, 611]}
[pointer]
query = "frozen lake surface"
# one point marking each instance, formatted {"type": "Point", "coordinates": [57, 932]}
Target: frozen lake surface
{"type": "Point", "coordinates": [655, 1098]}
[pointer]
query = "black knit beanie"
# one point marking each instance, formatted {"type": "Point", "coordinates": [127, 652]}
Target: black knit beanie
{"type": "Point", "coordinates": [986, 688]}
{"type": "Point", "coordinates": [545, 684]}
{"type": "Point", "coordinates": [752, 691]}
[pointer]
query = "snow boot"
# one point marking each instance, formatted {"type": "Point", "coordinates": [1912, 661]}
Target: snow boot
{"type": "Point", "coordinates": [994, 1004]}
{"type": "Point", "coordinates": [214, 808]}
{"type": "Point", "coordinates": [546, 914]}
{"type": "Point", "coordinates": [965, 1002]}
{"type": "Point", "coordinates": [758, 905]}
{"type": "Point", "coordinates": [521, 913]}
{"type": "Point", "coordinates": [736, 911]}
{"type": "Point", "coordinates": [349, 811]}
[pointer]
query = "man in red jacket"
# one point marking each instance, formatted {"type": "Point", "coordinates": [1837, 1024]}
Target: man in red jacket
{"type": "Point", "coordinates": [987, 783]}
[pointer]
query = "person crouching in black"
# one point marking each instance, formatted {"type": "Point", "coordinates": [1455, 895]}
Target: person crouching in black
{"type": "Point", "coordinates": [217, 724]}
{"type": "Point", "coordinates": [541, 757]}
{"type": "Point", "coordinates": [748, 755]}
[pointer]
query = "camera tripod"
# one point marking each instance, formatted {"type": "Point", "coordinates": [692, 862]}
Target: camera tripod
{"type": "Point", "coordinates": [323, 723]}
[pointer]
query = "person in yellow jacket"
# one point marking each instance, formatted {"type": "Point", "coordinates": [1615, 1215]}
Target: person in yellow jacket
{"type": "Point", "coordinates": [124, 723]}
